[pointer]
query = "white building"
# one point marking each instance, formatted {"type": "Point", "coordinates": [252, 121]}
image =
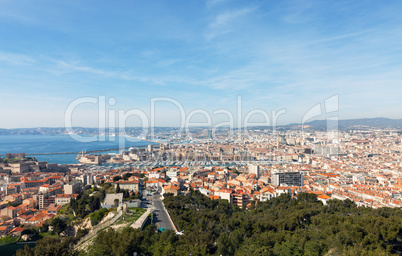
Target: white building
{"type": "Point", "coordinates": [172, 174]}
{"type": "Point", "coordinates": [254, 169]}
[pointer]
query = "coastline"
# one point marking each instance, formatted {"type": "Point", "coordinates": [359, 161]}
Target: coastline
{"type": "Point", "coordinates": [62, 149]}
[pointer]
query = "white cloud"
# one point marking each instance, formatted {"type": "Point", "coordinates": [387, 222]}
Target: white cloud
{"type": "Point", "coordinates": [223, 23]}
{"type": "Point", "coordinates": [213, 3]}
{"type": "Point", "coordinates": [167, 63]}
{"type": "Point", "coordinates": [70, 67]}
{"type": "Point", "coordinates": [16, 59]}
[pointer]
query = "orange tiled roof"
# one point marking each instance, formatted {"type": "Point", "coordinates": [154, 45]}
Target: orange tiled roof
{"type": "Point", "coordinates": [38, 216]}
{"type": "Point", "coordinates": [66, 195]}
{"type": "Point", "coordinates": [171, 187]}
{"type": "Point", "coordinates": [324, 197]}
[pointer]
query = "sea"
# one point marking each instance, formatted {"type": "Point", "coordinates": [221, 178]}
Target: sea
{"type": "Point", "coordinates": [36, 144]}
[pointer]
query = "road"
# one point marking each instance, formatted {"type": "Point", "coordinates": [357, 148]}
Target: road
{"type": "Point", "coordinates": [162, 219]}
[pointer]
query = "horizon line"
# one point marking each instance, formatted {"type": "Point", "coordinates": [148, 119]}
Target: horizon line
{"type": "Point", "coordinates": [150, 127]}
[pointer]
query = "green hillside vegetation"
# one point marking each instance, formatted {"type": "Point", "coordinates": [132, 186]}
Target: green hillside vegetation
{"type": "Point", "coordinates": [8, 239]}
{"type": "Point", "coordinates": [285, 226]}
{"type": "Point", "coordinates": [281, 226]}
{"type": "Point", "coordinates": [130, 216]}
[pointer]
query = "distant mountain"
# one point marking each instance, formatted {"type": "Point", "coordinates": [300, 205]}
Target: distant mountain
{"type": "Point", "coordinates": [134, 131]}
{"type": "Point", "coordinates": [379, 122]}
{"type": "Point", "coordinates": [45, 131]}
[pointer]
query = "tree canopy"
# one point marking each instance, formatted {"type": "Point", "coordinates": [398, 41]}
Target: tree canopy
{"type": "Point", "coordinates": [281, 226]}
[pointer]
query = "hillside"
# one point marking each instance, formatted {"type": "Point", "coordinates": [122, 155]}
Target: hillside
{"type": "Point", "coordinates": [281, 226]}
{"type": "Point", "coordinates": [357, 123]}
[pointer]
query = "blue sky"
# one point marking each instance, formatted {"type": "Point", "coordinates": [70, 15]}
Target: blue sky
{"type": "Point", "coordinates": [275, 55]}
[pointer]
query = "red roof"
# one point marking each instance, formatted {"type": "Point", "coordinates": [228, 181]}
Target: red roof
{"type": "Point", "coordinates": [67, 195]}
{"type": "Point", "coordinates": [127, 182]}
{"type": "Point", "coordinates": [324, 197]}
{"type": "Point", "coordinates": [16, 229]}
{"type": "Point", "coordinates": [171, 187]}
{"type": "Point", "coordinates": [226, 190]}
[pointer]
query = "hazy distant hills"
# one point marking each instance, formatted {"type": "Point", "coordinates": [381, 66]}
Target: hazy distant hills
{"type": "Point", "coordinates": [44, 131]}
{"type": "Point", "coordinates": [379, 122]}
{"type": "Point", "coordinates": [78, 130]}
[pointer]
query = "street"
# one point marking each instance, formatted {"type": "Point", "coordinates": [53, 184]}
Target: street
{"type": "Point", "coordinates": [161, 216]}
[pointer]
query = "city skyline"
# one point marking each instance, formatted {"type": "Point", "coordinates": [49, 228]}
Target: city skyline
{"type": "Point", "coordinates": [205, 54]}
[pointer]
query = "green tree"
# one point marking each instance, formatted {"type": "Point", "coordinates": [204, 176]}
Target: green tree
{"type": "Point", "coordinates": [59, 225]}
{"type": "Point", "coordinates": [307, 198]}
{"type": "Point", "coordinates": [127, 175]}
{"type": "Point", "coordinates": [117, 178]}
{"type": "Point", "coordinates": [27, 251]}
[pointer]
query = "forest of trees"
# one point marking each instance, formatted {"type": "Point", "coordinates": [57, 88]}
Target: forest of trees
{"type": "Point", "coordinates": [281, 226]}
{"type": "Point", "coordinates": [285, 226]}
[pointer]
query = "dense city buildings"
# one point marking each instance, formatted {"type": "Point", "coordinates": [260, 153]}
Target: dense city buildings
{"type": "Point", "coordinates": [363, 165]}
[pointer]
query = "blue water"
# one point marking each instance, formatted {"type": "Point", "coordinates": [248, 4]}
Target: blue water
{"type": "Point", "coordinates": [31, 144]}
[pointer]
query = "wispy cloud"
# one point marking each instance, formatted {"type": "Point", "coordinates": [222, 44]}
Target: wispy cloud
{"type": "Point", "coordinates": [224, 22]}
{"type": "Point", "coordinates": [213, 3]}
{"type": "Point", "coordinates": [296, 12]}
{"type": "Point", "coordinates": [167, 63]}
{"type": "Point", "coordinates": [238, 79]}
{"type": "Point", "coordinates": [64, 66]}
{"type": "Point", "coordinates": [16, 59]}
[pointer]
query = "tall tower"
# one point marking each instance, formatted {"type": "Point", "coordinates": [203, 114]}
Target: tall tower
{"type": "Point", "coordinates": [210, 134]}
